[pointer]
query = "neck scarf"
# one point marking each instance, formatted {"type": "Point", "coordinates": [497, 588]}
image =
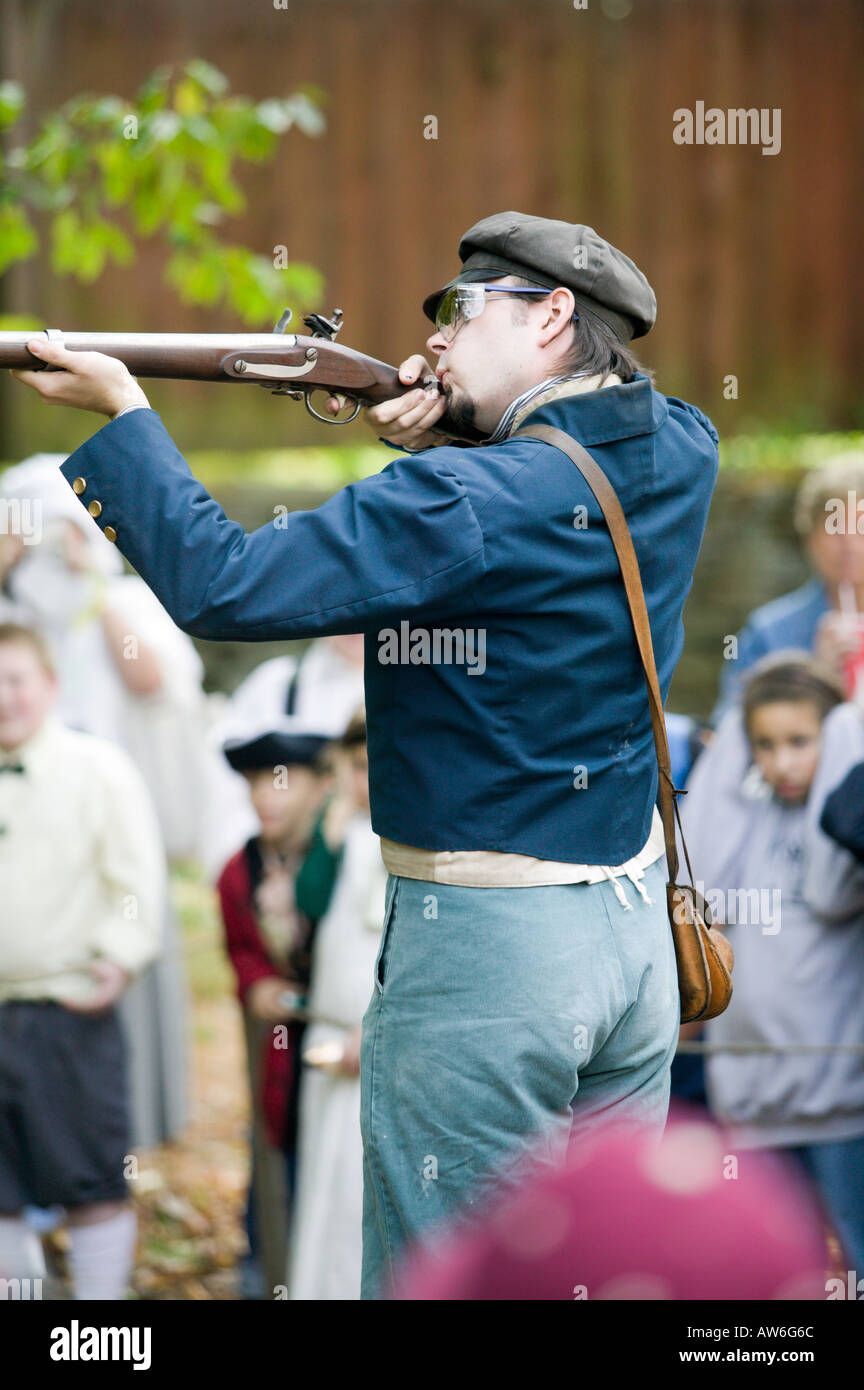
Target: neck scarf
{"type": "Point", "coordinates": [554, 388]}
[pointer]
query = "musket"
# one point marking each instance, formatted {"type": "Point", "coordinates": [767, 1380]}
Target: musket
{"type": "Point", "coordinates": [287, 364]}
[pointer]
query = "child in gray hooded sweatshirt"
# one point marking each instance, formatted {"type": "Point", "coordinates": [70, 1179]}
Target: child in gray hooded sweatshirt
{"type": "Point", "coordinates": [793, 903]}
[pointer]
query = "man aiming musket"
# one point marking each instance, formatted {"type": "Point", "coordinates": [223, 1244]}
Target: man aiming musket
{"type": "Point", "coordinates": [526, 982]}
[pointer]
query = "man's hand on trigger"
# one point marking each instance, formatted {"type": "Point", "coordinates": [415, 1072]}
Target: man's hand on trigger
{"type": "Point", "coordinates": [407, 420]}
{"type": "Point", "coordinates": [88, 380]}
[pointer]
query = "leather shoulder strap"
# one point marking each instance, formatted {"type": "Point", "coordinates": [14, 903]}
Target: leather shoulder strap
{"type": "Point", "coordinates": [622, 540]}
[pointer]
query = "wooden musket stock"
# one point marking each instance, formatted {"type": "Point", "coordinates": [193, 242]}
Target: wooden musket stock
{"type": "Point", "coordinates": [285, 363]}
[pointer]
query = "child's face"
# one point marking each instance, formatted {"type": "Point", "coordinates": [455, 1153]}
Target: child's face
{"type": "Point", "coordinates": [785, 738]}
{"type": "Point", "coordinates": [838, 556]}
{"type": "Point", "coordinates": [286, 800]}
{"type": "Point", "coordinates": [27, 692]}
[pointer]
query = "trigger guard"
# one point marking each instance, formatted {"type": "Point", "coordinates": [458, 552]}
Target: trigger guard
{"type": "Point", "coordinates": [329, 420]}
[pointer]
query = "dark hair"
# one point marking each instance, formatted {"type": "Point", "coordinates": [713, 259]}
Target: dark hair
{"type": "Point", "coordinates": [27, 637]}
{"type": "Point", "coordinates": [594, 348]}
{"type": "Point", "coordinates": [791, 677]}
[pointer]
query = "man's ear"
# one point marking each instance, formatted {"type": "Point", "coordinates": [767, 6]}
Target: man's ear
{"type": "Point", "coordinates": [558, 311]}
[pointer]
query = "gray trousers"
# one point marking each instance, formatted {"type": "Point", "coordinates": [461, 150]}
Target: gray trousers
{"type": "Point", "coordinates": [503, 1022]}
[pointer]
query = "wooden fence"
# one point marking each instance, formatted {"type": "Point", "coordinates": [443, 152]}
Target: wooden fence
{"type": "Point", "coordinates": [540, 106]}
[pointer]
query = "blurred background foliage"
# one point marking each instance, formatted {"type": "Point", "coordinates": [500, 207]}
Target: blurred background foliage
{"type": "Point", "coordinates": [769, 455]}
{"type": "Point", "coordinates": [101, 174]}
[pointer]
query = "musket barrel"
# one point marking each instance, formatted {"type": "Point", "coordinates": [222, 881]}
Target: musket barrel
{"type": "Point", "coordinates": [184, 356]}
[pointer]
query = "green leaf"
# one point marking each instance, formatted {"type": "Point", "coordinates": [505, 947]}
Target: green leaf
{"type": "Point", "coordinates": [208, 77]}
{"type": "Point", "coordinates": [208, 214]}
{"type": "Point", "coordinates": [277, 116]}
{"type": "Point", "coordinates": [153, 94]}
{"type": "Point", "coordinates": [20, 323]}
{"type": "Point", "coordinates": [172, 184]}
{"type": "Point", "coordinates": [82, 248]}
{"type": "Point", "coordinates": [306, 114]}
{"type": "Point", "coordinates": [41, 197]}
{"type": "Point", "coordinates": [47, 153]}
{"type": "Point", "coordinates": [17, 157]}
{"type": "Point", "coordinates": [189, 214]}
{"type": "Point", "coordinates": [189, 99]}
{"type": "Point", "coordinates": [162, 127]}
{"type": "Point", "coordinates": [65, 236]}
{"type": "Point", "coordinates": [215, 172]}
{"type": "Point", "coordinates": [107, 110]}
{"type": "Point", "coordinates": [178, 178]}
{"type": "Point", "coordinates": [12, 102]}
{"type": "Point", "coordinates": [201, 130]}
{"type": "Point", "coordinates": [118, 246]}
{"type": "Point", "coordinates": [256, 143]}
{"type": "Point", "coordinates": [256, 291]}
{"type": "Point", "coordinates": [118, 170]}
{"type": "Point", "coordinates": [303, 283]}
{"type": "Point", "coordinates": [148, 208]}
{"type": "Point", "coordinates": [18, 240]}
{"type": "Point", "coordinates": [198, 280]}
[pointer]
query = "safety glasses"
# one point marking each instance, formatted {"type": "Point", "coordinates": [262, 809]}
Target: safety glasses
{"type": "Point", "coordinates": [463, 302]}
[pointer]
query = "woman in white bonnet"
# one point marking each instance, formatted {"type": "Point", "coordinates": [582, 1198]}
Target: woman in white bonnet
{"type": "Point", "coordinates": [126, 673]}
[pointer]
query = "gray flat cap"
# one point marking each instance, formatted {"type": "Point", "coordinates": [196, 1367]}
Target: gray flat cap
{"type": "Point", "coordinates": [604, 281]}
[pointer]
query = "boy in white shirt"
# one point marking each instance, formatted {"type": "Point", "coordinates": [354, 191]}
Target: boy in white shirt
{"type": "Point", "coordinates": [82, 869]}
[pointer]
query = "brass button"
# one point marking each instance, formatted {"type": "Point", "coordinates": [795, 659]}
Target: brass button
{"type": "Point", "coordinates": [79, 486]}
{"type": "Point", "coordinates": [95, 508]}
{"type": "Point", "coordinates": [109, 533]}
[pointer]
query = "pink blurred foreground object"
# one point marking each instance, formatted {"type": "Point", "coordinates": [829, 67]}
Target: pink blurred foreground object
{"type": "Point", "coordinates": [626, 1218]}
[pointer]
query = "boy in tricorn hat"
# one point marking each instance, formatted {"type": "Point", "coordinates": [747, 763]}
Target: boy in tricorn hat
{"type": "Point", "coordinates": [519, 988]}
{"type": "Point", "coordinates": [268, 915]}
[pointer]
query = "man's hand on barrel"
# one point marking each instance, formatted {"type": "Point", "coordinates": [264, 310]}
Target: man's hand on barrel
{"type": "Point", "coordinates": [408, 420]}
{"type": "Point", "coordinates": [88, 380]}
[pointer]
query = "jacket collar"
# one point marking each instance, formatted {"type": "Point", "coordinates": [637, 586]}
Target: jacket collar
{"type": "Point", "coordinates": [605, 415]}
{"type": "Point", "coordinates": [559, 388]}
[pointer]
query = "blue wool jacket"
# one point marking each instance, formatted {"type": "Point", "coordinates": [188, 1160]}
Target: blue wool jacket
{"type": "Point", "coordinates": [544, 746]}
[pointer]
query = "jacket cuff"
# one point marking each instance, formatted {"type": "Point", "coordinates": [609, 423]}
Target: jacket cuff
{"type": "Point", "coordinates": [79, 475]}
